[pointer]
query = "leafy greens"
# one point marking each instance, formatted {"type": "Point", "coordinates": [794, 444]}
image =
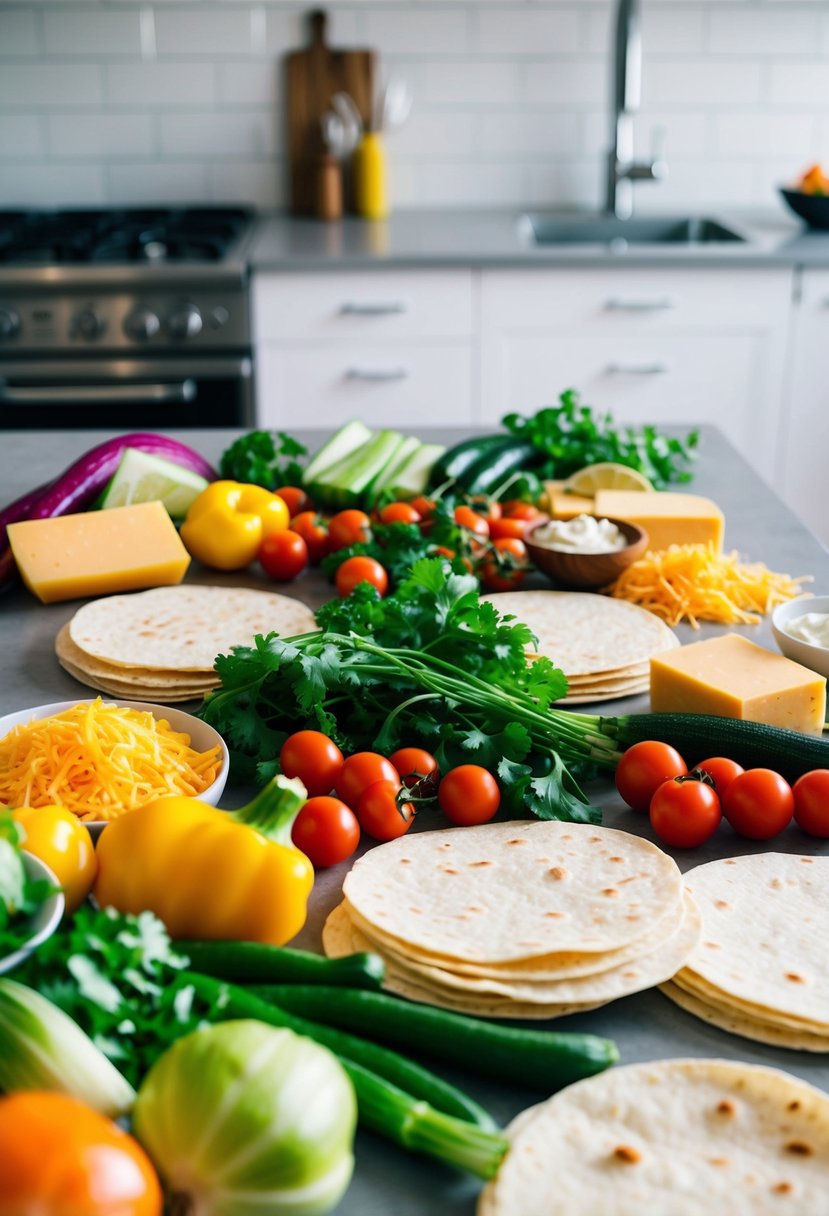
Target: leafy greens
{"type": "Point", "coordinates": [265, 458]}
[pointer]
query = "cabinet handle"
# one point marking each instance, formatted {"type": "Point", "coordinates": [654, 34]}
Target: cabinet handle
{"type": "Point", "coordinates": [659, 304]}
{"type": "Point", "coordinates": [637, 369]}
{"type": "Point", "coordinates": [377, 374]}
{"type": "Point", "coordinates": [369, 308]}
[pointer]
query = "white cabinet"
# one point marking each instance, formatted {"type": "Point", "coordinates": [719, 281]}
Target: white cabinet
{"type": "Point", "coordinates": [805, 435]}
{"type": "Point", "coordinates": [394, 348]}
{"type": "Point", "coordinates": [660, 345]}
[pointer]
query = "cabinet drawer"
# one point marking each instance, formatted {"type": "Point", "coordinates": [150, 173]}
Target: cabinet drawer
{"type": "Point", "coordinates": [390, 385]}
{"type": "Point", "coordinates": [372, 307]}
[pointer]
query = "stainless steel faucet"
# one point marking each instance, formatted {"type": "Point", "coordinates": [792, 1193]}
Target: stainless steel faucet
{"type": "Point", "coordinates": [622, 169]}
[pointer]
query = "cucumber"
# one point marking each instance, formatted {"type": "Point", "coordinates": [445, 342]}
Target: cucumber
{"type": "Point", "coordinates": [352, 479]}
{"type": "Point", "coordinates": [353, 435]}
{"type": "Point", "coordinates": [492, 469]}
{"type": "Point", "coordinates": [386, 478]}
{"type": "Point", "coordinates": [461, 457]}
{"type": "Point", "coordinates": [412, 476]}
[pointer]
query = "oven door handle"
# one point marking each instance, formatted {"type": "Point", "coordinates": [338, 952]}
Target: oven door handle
{"type": "Point", "coordinates": [99, 394]}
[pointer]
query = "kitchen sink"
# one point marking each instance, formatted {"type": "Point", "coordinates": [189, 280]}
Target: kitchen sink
{"type": "Point", "coordinates": [541, 229]}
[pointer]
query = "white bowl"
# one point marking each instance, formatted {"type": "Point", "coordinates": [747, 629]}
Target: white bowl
{"type": "Point", "coordinates": [202, 737]}
{"type": "Point", "coordinates": [816, 658]}
{"type": "Point", "coordinates": [44, 921]}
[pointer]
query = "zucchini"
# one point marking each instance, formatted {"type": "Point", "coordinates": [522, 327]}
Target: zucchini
{"type": "Point", "coordinates": [350, 480]}
{"type": "Point", "coordinates": [496, 466]}
{"type": "Point", "coordinates": [412, 477]}
{"type": "Point", "coordinates": [386, 478]}
{"type": "Point", "coordinates": [461, 457]}
{"type": "Point", "coordinates": [751, 744]}
{"type": "Point", "coordinates": [349, 438]}
{"type": "Point", "coordinates": [256, 963]}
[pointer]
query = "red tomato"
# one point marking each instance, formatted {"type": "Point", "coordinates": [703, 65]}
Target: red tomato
{"type": "Point", "coordinates": [424, 506]}
{"type": "Point", "coordinates": [362, 770]}
{"type": "Point", "coordinates": [418, 769]}
{"type": "Point", "coordinates": [490, 508]}
{"type": "Point", "coordinates": [469, 794]}
{"type": "Point", "coordinates": [355, 570]}
{"type": "Point", "coordinates": [314, 531]}
{"type": "Point", "coordinates": [283, 555]}
{"type": "Point", "coordinates": [348, 528]}
{"type": "Point", "coordinates": [472, 521]}
{"type": "Point", "coordinates": [722, 770]}
{"type": "Point", "coordinates": [643, 768]}
{"type": "Point", "coordinates": [501, 528]}
{"type": "Point", "coordinates": [381, 815]}
{"type": "Point", "coordinates": [295, 499]}
{"type": "Point", "coordinates": [400, 513]}
{"type": "Point", "coordinates": [517, 509]}
{"type": "Point", "coordinates": [326, 831]}
{"type": "Point", "coordinates": [758, 804]}
{"type": "Point", "coordinates": [505, 568]}
{"type": "Point", "coordinates": [314, 758]}
{"type": "Point", "coordinates": [811, 802]}
{"type": "Point", "coordinates": [684, 812]}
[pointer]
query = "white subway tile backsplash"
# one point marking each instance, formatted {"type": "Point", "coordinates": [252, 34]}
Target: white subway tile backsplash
{"type": "Point", "coordinates": [765, 135]}
{"type": "Point", "coordinates": [430, 31]}
{"type": "Point", "coordinates": [511, 30]}
{"type": "Point", "coordinates": [236, 136]}
{"type": "Point", "coordinates": [439, 135]}
{"type": "Point", "coordinates": [56, 85]}
{"type": "Point", "coordinates": [19, 32]}
{"type": "Point", "coordinates": [148, 182]}
{"type": "Point", "coordinates": [800, 84]}
{"type": "Point", "coordinates": [159, 85]}
{"type": "Point", "coordinates": [286, 29]}
{"type": "Point", "coordinates": [100, 135]}
{"type": "Point", "coordinates": [262, 183]}
{"type": "Point", "coordinates": [52, 185]}
{"type": "Point", "coordinates": [249, 83]}
{"type": "Point", "coordinates": [467, 82]}
{"type": "Point", "coordinates": [21, 138]}
{"type": "Point", "coordinates": [786, 30]}
{"type": "Point", "coordinates": [701, 82]}
{"type": "Point", "coordinates": [203, 30]}
{"type": "Point", "coordinates": [524, 133]}
{"type": "Point", "coordinates": [565, 82]}
{"type": "Point", "coordinates": [92, 32]}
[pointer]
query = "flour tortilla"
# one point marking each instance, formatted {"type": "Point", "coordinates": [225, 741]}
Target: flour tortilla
{"type": "Point", "coordinates": [690, 982]}
{"type": "Point", "coordinates": [674, 1137]}
{"type": "Point", "coordinates": [621, 689]}
{"type": "Point", "coordinates": [584, 633]}
{"type": "Point", "coordinates": [155, 693]}
{"type": "Point", "coordinates": [734, 1022]}
{"type": "Point", "coordinates": [516, 890]}
{"type": "Point", "coordinates": [182, 628]}
{"type": "Point", "coordinates": [71, 656]}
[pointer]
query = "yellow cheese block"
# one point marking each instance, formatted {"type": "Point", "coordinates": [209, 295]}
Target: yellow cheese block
{"type": "Point", "coordinates": [562, 505]}
{"type": "Point", "coordinates": [735, 678]}
{"type": "Point", "coordinates": [668, 518]}
{"type": "Point", "coordinates": [98, 552]}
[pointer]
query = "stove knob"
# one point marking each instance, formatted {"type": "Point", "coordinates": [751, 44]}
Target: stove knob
{"type": "Point", "coordinates": [185, 321]}
{"type": "Point", "coordinates": [141, 325]}
{"type": "Point", "coordinates": [9, 324]}
{"type": "Point", "coordinates": [89, 324]}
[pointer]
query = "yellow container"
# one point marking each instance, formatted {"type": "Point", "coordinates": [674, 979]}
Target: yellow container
{"type": "Point", "coordinates": [370, 184]}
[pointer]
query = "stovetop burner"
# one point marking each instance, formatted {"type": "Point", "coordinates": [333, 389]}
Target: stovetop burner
{"type": "Point", "coordinates": [154, 235]}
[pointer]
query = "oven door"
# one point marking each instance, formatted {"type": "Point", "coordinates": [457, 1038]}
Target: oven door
{"type": "Point", "coordinates": [153, 392]}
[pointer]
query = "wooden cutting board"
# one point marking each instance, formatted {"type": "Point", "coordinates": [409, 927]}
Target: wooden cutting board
{"type": "Point", "coordinates": [313, 76]}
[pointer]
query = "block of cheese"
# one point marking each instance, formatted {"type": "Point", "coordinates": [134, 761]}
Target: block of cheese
{"type": "Point", "coordinates": [735, 678]}
{"type": "Point", "coordinates": [562, 505]}
{"type": "Point", "coordinates": [98, 552]}
{"type": "Point", "coordinates": [669, 518]}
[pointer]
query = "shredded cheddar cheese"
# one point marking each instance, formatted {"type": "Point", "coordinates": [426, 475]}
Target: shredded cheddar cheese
{"type": "Point", "coordinates": [697, 583]}
{"type": "Point", "coordinates": [99, 760]}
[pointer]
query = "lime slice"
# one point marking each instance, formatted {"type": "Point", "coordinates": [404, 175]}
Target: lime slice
{"type": "Point", "coordinates": [141, 477]}
{"type": "Point", "coordinates": [605, 476]}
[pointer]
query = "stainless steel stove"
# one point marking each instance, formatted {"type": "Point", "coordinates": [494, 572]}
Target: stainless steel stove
{"type": "Point", "coordinates": [125, 318]}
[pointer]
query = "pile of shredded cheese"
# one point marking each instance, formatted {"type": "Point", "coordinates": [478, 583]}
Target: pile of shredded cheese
{"type": "Point", "coordinates": [99, 760]}
{"type": "Point", "coordinates": [697, 583]}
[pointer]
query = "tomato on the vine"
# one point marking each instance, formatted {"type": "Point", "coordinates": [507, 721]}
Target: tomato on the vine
{"type": "Point", "coordinates": [356, 570]}
{"type": "Point", "coordinates": [722, 770]}
{"type": "Point", "coordinates": [362, 770]}
{"type": "Point", "coordinates": [684, 812]}
{"type": "Point", "coordinates": [424, 506]}
{"type": "Point", "coordinates": [643, 768]}
{"type": "Point", "coordinates": [499, 529]}
{"type": "Point", "coordinates": [382, 814]}
{"type": "Point", "coordinates": [314, 758]}
{"type": "Point", "coordinates": [505, 566]}
{"type": "Point", "coordinates": [326, 831]}
{"type": "Point", "coordinates": [418, 769]}
{"type": "Point", "coordinates": [811, 802]}
{"type": "Point", "coordinates": [469, 794]}
{"type": "Point", "coordinates": [400, 513]}
{"type": "Point", "coordinates": [758, 804]}
{"type": "Point", "coordinates": [314, 531]}
{"type": "Point", "coordinates": [283, 555]}
{"type": "Point", "coordinates": [295, 499]}
{"type": "Point", "coordinates": [349, 527]}
{"type": "Point", "coordinates": [465, 517]}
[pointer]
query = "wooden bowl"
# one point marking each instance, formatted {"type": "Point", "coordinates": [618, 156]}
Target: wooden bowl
{"type": "Point", "coordinates": [588, 569]}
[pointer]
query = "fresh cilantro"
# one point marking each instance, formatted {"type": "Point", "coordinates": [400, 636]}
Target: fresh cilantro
{"type": "Point", "coordinates": [265, 458]}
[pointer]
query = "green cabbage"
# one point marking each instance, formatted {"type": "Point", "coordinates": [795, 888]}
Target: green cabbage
{"type": "Point", "coordinates": [244, 1119]}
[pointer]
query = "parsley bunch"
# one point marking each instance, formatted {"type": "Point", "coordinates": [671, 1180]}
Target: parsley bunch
{"type": "Point", "coordinates": [264, 458]}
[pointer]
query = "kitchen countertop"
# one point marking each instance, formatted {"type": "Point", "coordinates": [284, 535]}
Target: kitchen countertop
{"type": "Point", "coordinates": [489, 238]}
{"type": "Point", "coordinates": [646, 1026]}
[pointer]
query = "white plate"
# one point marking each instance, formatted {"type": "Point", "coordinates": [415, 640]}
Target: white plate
{"type": "Point", "coordinates": [44, 922]}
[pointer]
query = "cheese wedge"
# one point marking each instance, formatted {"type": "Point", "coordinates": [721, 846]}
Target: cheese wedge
{"type": "Point", "coordinates": [562, 505]}
{"type": "Point", "coordinates": [734, 678]}
{"type": "Point", "coordinates": [98, 552]}
{"type": "Point", "coordinates": [669, 518]}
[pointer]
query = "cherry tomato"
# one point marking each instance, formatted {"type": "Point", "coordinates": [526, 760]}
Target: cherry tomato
{"type": "Point", "coordinates": [295, 499]}
{"type": "Point", "coordinates": [326, 831]}
{"type": "Point", "coordinates": [504, 569]}
{"type": "Point", "coordinates": [643, 768]}
{"type": "Point", "coordinates": [314, 531]}
{"type": "Point", "coordinates": [418, 769]}
{"type": "Point", "coordinates": [684, 812]}
{"type": "Point", "coordinates": [472, 521]}
{"type": "Point", "coordinates": [516, 508]}
{"type": "Point", "coordinates": [469, 794]}
{"type": "Point", "coordinates": [424, 506]}
{"type": "Point", "coordinates": [490, 508]}
{"type": "Point", "coordinates": [59, 1156]}
{"type": "Point", "coordinates": [811, 802]}
{"type": "Point", "coordinates": [314, 758]}
{"type": "Point", "coordinates": [362, 770]}
{"type": "Point", "coordinates": [758, 804]}
{"type": "Point", "coordinates": [355, 570]}
{"type": "Point", "coordinates": [283, 555]}
{"type": "Point", "coordinates": [348, 528]}
{"type": "Point", "coordinates": [722, 770]}
{"type": "Point", "coordinates": [505, 527]}
{"type": "Point", "coordinates": [400, 513]}
{"type": "Point", "coordinates": [381, 815]}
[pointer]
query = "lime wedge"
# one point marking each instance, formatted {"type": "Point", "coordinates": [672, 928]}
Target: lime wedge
{"type": "Point", "coordinates": [141, 477]}
{"type": "Point", "coordinates": [608, 475]}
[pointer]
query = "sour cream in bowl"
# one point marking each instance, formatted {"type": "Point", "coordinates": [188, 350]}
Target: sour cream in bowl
{"type": "Point", "coordinates": [801, 630]}
{"type": "Point", "coordinates": [585, 552]}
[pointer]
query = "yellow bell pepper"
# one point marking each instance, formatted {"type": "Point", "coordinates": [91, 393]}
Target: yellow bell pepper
{"type": "Point", "coordinates": [208, 873]}
{"type": "Point", "coordinates": [228, 521]}
{"type": "Point", "coordinates": [63, 843]}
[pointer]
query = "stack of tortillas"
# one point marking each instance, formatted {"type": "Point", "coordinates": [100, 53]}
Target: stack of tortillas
{"type": "Point", "coordinates": [160, 645]}
{"type": "Point", "coordinates": [761, 969]}
{"type": "Point", "coordinates": [672, 1138]}
{"type": "Point", "coordinates": [602, 645]}
{"type": "Point", "coordinates": [530, 920]}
